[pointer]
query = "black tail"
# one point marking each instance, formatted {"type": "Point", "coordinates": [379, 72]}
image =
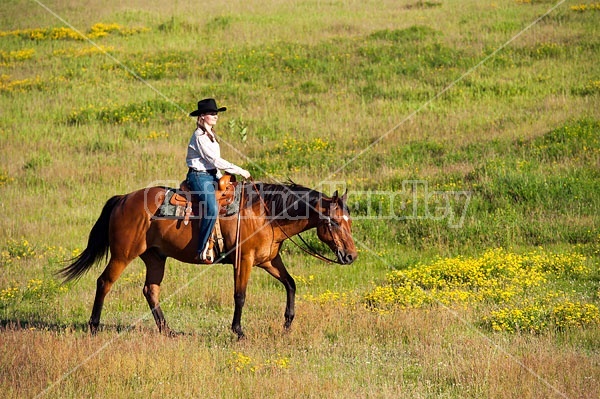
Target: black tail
{"type": "Point", "coordinates": [97, 247]}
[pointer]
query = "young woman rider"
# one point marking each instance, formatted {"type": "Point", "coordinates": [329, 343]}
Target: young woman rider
{"type": "Point", "coordinates": [204, 170]}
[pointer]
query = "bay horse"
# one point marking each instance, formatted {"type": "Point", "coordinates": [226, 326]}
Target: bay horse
{"type": "Point", "coordinates": [269, 214]}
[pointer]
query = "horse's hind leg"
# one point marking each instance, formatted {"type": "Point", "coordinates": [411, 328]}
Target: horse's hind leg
{"type": "Point", "coordinates": [103, 285]}
{"type": "Point", "coordinates": [155, 271]}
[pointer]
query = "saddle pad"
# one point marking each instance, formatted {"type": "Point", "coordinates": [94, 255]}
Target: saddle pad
{"type": "Point", "coordinates": [234, 207]}
{"type": "Point", "coordinates": [168, 211]}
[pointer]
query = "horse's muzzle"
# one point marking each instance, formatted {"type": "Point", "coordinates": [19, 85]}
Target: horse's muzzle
{"type": "Point", "coordinates": [345, 258]}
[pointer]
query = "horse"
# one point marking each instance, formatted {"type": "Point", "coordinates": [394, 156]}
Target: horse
{"type": "Point", "coordinates": [268, 215]}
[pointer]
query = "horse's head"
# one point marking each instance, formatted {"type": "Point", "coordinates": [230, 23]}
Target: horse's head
{"type": "Point", "coordinates": [334, 228]}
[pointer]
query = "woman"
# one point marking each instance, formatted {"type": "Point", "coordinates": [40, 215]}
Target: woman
{"type": "Point", "coordinates": [204, 162]}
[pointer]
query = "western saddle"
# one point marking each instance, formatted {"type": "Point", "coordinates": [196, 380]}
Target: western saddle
{"type": "Point", "coordinates": [225, 194]}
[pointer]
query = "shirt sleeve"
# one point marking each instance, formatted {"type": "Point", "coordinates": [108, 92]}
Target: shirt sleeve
{"type": "Point", "coordinates": [210, 152]}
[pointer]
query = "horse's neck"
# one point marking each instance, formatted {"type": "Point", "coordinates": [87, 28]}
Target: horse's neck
{"type": "Point", "coordinates": [291, 228]}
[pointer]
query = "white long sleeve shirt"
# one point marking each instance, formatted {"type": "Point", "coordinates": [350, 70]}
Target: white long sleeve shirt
{"type": "Point", "coordinates": [204, 153]}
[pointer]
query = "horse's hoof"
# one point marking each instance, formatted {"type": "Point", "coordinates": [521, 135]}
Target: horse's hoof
{"type": "Point", "coordinates": [172, 334]}
{"type": "Point", "coordinates": [239, 333]}
{"type": "Point", "coordinates": [93, 329]}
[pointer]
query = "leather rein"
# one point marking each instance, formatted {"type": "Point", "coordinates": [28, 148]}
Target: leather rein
{"type": "Point", "coordinates": [308, 248]}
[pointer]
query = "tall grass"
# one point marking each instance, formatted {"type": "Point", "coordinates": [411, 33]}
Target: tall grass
{"type": "Point", "coordinates": [321, 93]}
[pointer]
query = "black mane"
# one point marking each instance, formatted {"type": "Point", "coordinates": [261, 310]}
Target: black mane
{"type": "Point", "coordinates": [284, 201]}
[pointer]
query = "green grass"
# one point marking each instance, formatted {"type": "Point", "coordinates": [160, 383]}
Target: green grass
{"type": "Point", "coordinates": [319, 92]}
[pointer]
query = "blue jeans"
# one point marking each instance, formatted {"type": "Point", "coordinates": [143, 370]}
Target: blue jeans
{"type": "Point", "coordinates": [203, 185]}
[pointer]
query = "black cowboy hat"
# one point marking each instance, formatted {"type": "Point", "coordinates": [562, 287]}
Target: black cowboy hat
{"type": "Point", "coordinates": [207, 105]}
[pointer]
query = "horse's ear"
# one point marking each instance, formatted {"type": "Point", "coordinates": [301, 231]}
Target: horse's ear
{"type": "Point", "coordinates": [336, 196]}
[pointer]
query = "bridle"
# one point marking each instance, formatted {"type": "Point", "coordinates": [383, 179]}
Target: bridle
{"type": "Point", "coordinates": [307, 247]}
{"type": "Point", "coordinates": [311, 250]}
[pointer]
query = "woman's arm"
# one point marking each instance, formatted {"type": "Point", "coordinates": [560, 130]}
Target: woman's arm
{"type": "Point", "coordinates": [211, 152]}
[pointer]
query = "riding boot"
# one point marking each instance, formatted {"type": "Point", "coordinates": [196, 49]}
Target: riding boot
{"type": "Point", "coordinates": [207, 256]}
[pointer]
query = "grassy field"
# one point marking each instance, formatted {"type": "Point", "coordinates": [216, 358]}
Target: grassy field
{"type": "Point", "coordinates": [467, 134]}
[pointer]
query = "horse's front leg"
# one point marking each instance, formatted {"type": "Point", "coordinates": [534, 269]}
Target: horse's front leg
{"type": "Point", "coordinates": [241, 274]}
{"type": "Point", "coordinates": [277, 269]}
